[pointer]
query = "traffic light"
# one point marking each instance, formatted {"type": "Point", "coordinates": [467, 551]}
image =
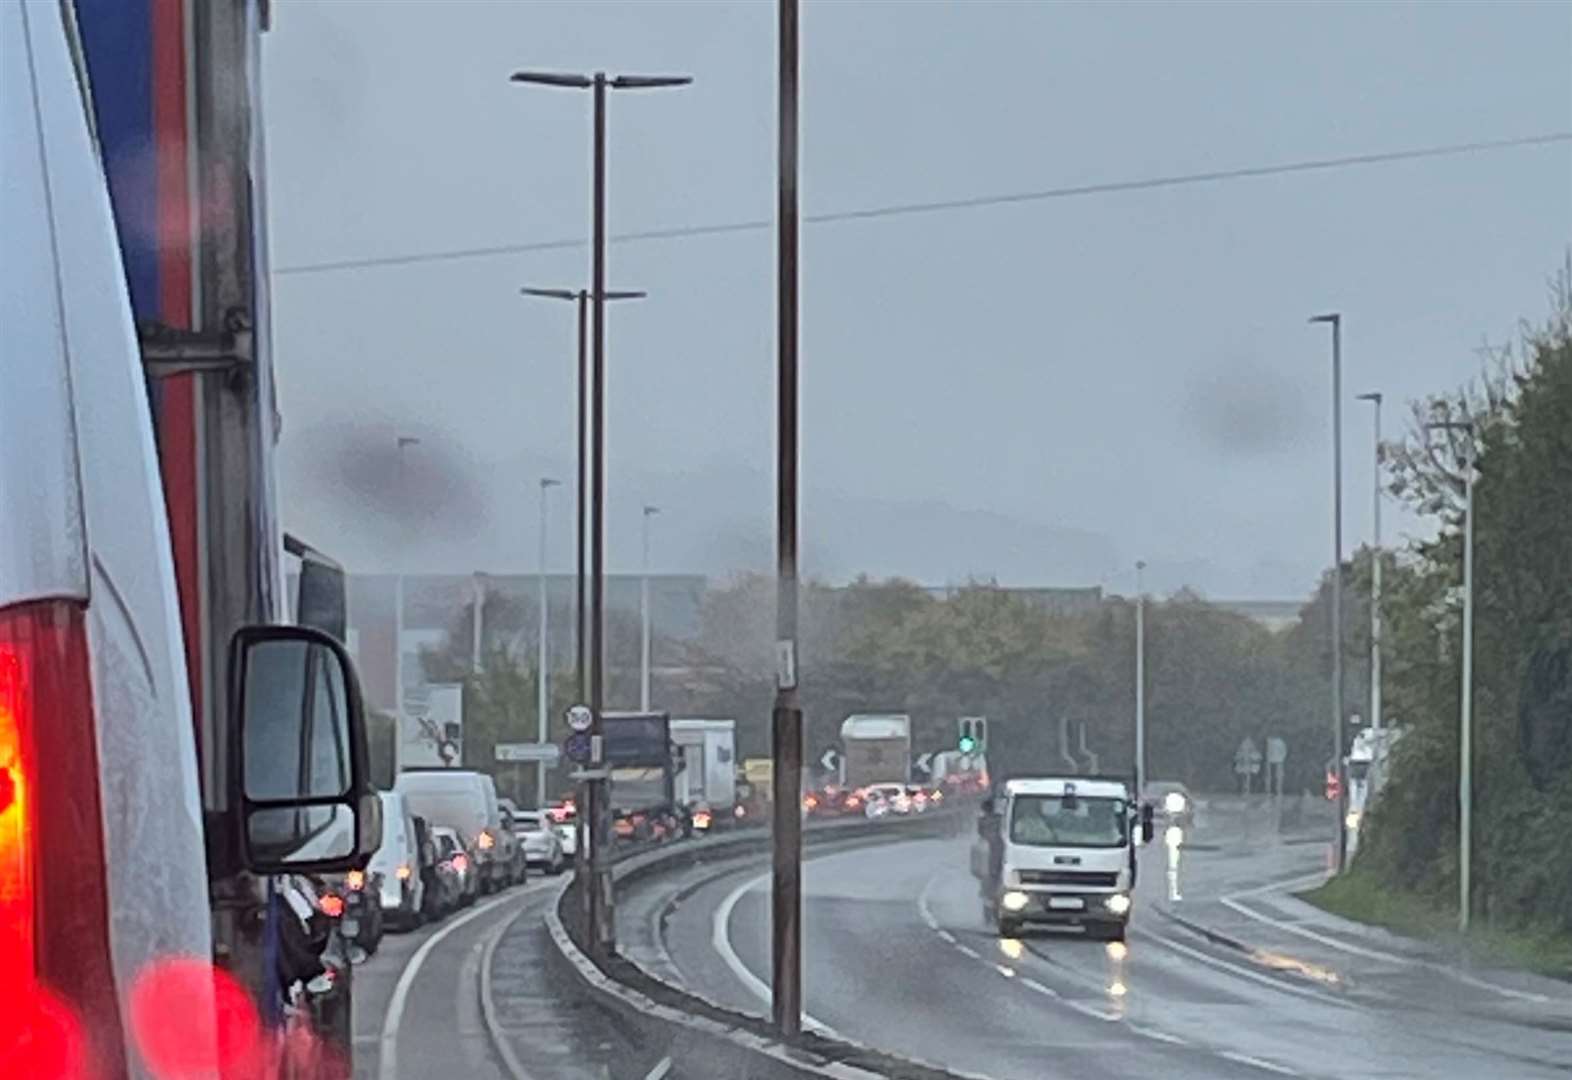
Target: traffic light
{"type": "Point", "coordinates": [971, 734]}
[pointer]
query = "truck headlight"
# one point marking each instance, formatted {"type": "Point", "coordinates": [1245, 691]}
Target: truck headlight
{"type": "Point", "coordinates": [1014, 900]}
{"type": "Point", "coordinates": [1118, 903]}
{"type": "Point", "coordinates": [1352, 820]}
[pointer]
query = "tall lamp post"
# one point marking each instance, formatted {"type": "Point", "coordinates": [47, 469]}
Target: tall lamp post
{"type": "Point", "coordinates": [1140, 679]}
{"type": "Point", "coordinates": [786, 728]}
{"type": "Point", "coordinates": [581, 607]}
{"type": "Point", "coordinates": [593, 873]}
{"type": "Point", "coordinates": [543, 655]}
{"type": "Point", "coordinates": [1340, 848]}
{"type": "Point", "coordinates": [404, 443]}
{"type": "Point", "coordinates": [644, 616]}
{"type": "Point", "coordinates": [1465, 773]}
{"type": "Point", "coordinates": [1375, 571]}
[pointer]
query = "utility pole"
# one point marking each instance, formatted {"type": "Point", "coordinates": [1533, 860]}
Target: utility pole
{"type": "Point", "coordinates": [1375, 573]}
{"type": "Point", "coordinates": [1140, 680]}
{"type": "Point", "coordinates": [477, 619]}
{"type": "Point", "coordinates": [543, 655]}
{"type": "Point", "coordinates": [593, 872]}
{"type": "Point", "coordinates": [786, 730]}
{"type": "Point", "coordinates": [1465, 772]}
{"type": "Point", "coordinates": [644, 615]}
{"type": "Point", "coordinates": [1340, 848]}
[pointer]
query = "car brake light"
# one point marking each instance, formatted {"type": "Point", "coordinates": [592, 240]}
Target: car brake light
{"type": "Point", "coordinates": [486, 841]}
{"type": "Point", "coordinates": [403, 872]}
{"type": "Point", "coordinates": [460, 862]}
{"type": "Point", "coordinates": [332, 906]}
{"type": "Point", "coordinates": [355, 880]}
{"type": "Point", "coordinates": [56, 983]}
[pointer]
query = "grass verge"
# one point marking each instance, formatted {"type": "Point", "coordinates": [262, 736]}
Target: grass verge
{"type": "Point", "coordinates": [1355, 896]}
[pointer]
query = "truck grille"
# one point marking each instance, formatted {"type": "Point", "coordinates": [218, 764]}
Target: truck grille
{"type": "Point", "coordinates": [1097, 879]}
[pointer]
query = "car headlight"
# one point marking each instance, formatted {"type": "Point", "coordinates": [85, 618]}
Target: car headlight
{"type": "Point", "coordinates": [1175, 803]}
{"type": "Point", "coordinates": [1014, 900]}
{"type": "Point", "coordinates": [1352, 820]}
{"type": "Point", "coordinates": [1173, 836]}
{"type": "Point", "coordinates": [1118, 903]}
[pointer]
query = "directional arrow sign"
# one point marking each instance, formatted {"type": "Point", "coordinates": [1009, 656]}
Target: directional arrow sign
{"type": "Point", "coordinates": [830, 760]}
{"type": "Point", "coordinates": [925, 762]}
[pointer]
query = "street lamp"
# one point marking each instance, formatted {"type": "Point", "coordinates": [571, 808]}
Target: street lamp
{"type": "Point", "coordinates": [1465, 777]}
{"type": "Point", "coordinates": [1140, 679]}
{"type": "Point", "coordinates": [593, 874]}
{"type": "Point", "coordinates": [1340, 849]}
{"type": "Point", "coordinates": [1375, 572]}
{"type": "Point", "coordinates": [644, 616]}
{"type": "Point", "coordinates": [581, 297]}
{"type": "Point", "coordinates": [404, 443]}
{"type": "Point", "coordinates": [542, 657]}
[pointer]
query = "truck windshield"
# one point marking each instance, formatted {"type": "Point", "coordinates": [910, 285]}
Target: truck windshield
{"type": "Point", "coordinates": [1048, 821]}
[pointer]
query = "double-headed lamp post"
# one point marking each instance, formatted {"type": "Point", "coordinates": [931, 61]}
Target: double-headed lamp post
{"type": "Point", "coordinates": [593, 872]}
{"type": "Point", "coordinates": [581, 297]}
{"type": "Point", "coordinates": [1465, 771]}
{"type": "Point", "coordinates": [1340, 848]}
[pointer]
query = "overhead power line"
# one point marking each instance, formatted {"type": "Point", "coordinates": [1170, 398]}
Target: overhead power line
{"type": "Point", "coordinates": [940, 206]}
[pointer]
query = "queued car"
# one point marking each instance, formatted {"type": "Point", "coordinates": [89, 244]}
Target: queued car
{"type": "Point", "coordinates": [516, 865]}
{"type": "Point", "coordinates": [400, 889]}
{"type": "Point", "coordinates": [538, 838]}
{"type": "Point", "coordinates": [460, 861]}
{"type": "Point", "coordinates": [565, 823]}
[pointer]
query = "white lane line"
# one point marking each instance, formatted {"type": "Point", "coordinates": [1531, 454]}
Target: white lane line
{"type": "Point", "coordinates": [1091, 1010]}
{"type": "Point", "coordinates": [1233, 903]}
{"type": "Point", "coordinates": [1258, 1063]}
{"type": "Point", "coordinates": [1244, 973]}
{"type": "Point", "coordinates": [720, 940]}
{"type": "Point", "coordinates": [945, 935]}
{"type": "Point", "coordinates": [1154, 1033]}
{"type": "Point", "coordinates": [387, 1057]}
{"type": "Point", "coordinates": [922, 904]}
{"type": "Point", "coordinates": [662, 1067]}
{"type": "Point", "coordinates": [1006, 970]}
{"type": "Point", "coordinates": [1046, 991]}
{"type": "Point", "coordinates": [488, 1005]}
{"type": "Point", "coordinates": [968, 951]}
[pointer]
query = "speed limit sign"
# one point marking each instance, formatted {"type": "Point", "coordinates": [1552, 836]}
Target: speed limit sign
{"type": "Point", "coordinates": [580, 718]}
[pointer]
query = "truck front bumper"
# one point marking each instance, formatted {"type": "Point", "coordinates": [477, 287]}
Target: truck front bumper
{"type": "Point", "coordinates": [1063, 908]}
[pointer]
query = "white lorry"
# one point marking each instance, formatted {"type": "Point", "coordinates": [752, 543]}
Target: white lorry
{"type": "Point", "coordinates": [876, 748]}
{"type": "Point", "coordinates": [708, 764]}
{"type": "Point", "coordinates": [1060, 851]}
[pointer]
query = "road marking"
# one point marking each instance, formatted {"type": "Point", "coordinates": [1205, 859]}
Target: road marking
{"type": "Point", "coordinates": [1091, 1010]}
{"type": "Point", "coordinates": [968, 950]}
{"type": "Point", "coordinates": [1255, 1062]}
{"type": "Point", "coordinates": [720, 940]}
{"type": "Point", "coordinates": [1232, 902]}
{"type": "Point", "coordinates": [1244, 973]}
{"type": "Point", "coordinates": [1006, 970]}
{"type": "Point", "coordinates": [661, 1068]}
{"type": "Point", "coordinates": [387, 1057]}
{"type": "Point", "coordinates": [1046, 991]}
{"type": "Point", "coordinates": [946, 936]}
{"type": "Point", "coordinates": [922, 904]}
{"type": "Point", "coordinates": [1153, 1033]}
{"type": "Point", "coordinates": [488, 1005]}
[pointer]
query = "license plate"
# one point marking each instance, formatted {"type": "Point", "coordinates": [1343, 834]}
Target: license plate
{"type": "Point", "coordinates": [1066, 903]}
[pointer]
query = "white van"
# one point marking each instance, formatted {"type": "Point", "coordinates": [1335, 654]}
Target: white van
{"type": "Point", "coordinates": [103, 845]}
{"type": "Point", "coordinates": [465, 801]}
{"type": "Point", "coordinates": [398, 861]}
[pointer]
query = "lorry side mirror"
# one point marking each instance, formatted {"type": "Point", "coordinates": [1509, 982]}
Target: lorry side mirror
{"type": "Point", "coordinates": [1146, 823]}
{"type": "Point", "coordinates": [305, 797]}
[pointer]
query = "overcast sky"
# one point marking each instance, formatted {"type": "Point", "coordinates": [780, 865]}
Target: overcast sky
{"type": "Point", "coordinates": [1042, 391]}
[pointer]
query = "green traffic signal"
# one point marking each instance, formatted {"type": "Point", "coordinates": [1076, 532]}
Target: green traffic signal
{"type": "Point", "coordinates": [967, 744]}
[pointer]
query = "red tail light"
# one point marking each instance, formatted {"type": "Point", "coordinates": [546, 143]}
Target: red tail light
{"type": "Point", "coordinates": [332, 906]}
{"type": "Point", "coordinates": [57, 990]}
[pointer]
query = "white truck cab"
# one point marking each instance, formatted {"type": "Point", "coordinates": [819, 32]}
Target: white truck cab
{"type": "Point", "coordinates": [1060, 851]}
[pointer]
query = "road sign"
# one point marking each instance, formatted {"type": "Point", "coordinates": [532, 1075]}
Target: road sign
{"type": "Point", "coordinates": [1247, 759]}
{"type": "Point", "coordinates": [1276, 751]}
{"type": "Point", "coordinates": [577, 747]}
{"type": "Point", "coordinates": [580, 718]}
{"type": "Point", "coordinates": [925, 763]}
{"type": "Point", "coordinates": [549, 753]}
{"type": "Point", "coordinates": [831, 760]}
